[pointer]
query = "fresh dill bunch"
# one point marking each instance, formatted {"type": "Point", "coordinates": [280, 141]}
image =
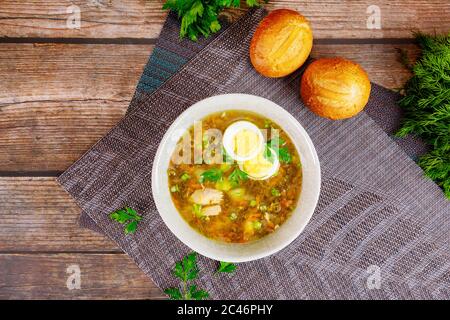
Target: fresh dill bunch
{"type": "Point", "coordinates": [426, 106]}
{"type": "Point", "coordinates": [201, 17]}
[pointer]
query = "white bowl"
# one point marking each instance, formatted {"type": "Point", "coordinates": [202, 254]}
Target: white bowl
{"type": "Point", "coordinates": [288, 231]}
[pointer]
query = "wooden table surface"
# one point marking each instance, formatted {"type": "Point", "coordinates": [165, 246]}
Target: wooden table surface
{"type": "Point", "coordinates": [62, 89]}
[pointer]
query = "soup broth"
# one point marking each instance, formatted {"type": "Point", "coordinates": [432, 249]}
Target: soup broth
{"type": "Point", "coordinates": [224, 202]}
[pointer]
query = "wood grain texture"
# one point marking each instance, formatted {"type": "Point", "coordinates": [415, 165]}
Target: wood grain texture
{"type": "Point", "coordinates": [65, 72]}
{"type": "Point", "coordinates": [62, 87]}
{"type": "Point", "coordinates": [38, 215]}
{"type": "Point", "coordinates": [44, 276]}
{"type": "Point", "coordinates": [58, 100]}
{"type": "Point", "coordinates": [144, 18]}
{"type": "Point", "coordinates": [49, 136]}
{"type": "Point", "coordinates": [99, 18]}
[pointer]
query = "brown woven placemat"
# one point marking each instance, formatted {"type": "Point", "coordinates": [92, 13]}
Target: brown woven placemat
{"type": "Point", "coordinates": [376, 211]}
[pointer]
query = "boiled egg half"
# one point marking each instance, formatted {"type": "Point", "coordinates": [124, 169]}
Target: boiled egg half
{"type": "Point", "coordinates": [243, 141]}
{"type": "Point", "coordinates": [261, 167]}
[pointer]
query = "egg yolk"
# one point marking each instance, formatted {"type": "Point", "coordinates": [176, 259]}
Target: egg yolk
{"type": "Point", "coordinates": [245, 142]}
{"type": "Point", "coordinates": [258, 167]}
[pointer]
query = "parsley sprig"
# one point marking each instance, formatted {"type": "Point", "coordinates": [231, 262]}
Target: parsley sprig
{"type": "Point", "coordinates": [128, 217]}
{"type": "Point", "coordinates": [226, 267]}
{"type": "Point", "coordinates": [186, 270]}
{"type": "Point", "coordinates": [213, 175]}
{"type": "Point", "coordinates": [237, 176]}
{"type": "Point", "coordinates": [283, 152]}
{"type": "Point", "coordinates": [200, 17]}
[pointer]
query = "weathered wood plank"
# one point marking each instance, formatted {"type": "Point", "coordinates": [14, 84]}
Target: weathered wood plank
{"type": "Point", "coordinates": [38, 215]}
{"type": "Point", "coordinates": [99, 18]}
{"type": "Point", "coordinates": [45, 276]}
{"type": "Point", "coordinates": [58, 100]}
{"type": "Point", "coordinates": [49, 136]}
{"type": "Point", "coordinates": [144, 18]}
{"type": "Point", "coordinates": [54, 72]}
{"type": "Point", "coordinates": [57, 84]}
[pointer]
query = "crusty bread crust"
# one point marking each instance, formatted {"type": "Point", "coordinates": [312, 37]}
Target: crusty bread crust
{"type": "Point", "coordinates": [335, 88]}
{"type": "Point", "coordinates": [281, 43]}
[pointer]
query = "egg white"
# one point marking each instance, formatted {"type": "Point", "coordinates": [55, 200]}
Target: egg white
{"type": "Point", "coordinates": [233, 130]}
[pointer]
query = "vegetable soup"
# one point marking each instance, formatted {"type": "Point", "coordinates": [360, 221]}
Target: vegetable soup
{"type": "Point", "coordinates": [247, 182]}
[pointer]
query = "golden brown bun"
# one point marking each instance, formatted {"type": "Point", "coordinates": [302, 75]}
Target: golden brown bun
{"type": "Point", "coordinates": [281, 43]}
{"type": "Point", "coordinates": [335, 88]}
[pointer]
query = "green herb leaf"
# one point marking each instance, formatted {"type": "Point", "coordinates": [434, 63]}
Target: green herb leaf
{"type": "Point", "coordinates": [214, 26]}
{"type": "Point", "coordinates": [196, 294]}
{"type": "Point", "coordinates": [268, 154]}
{"type": "Point", "coordinates": [178, 270]}
{"type": "Point", "coordinates": [252, 3]}
{"type": "Point", "coordinates": [174, 293]}
{"type": "Point", "coordinates": [127, 216]}
{"type": "Point", "coordinates": [226, 157]}
{"type": "Point", "coordinates": [212, 175]}
{"type": "Point", "coordinates": [200, 17]}
{"type": "Point", "coordinates": [284, 155]}
{"type": "Point", "coordinates": [283, 152]}
{"type": "Point", "coordinates": [190, 266]}
{"type": "Point", "coordinates": [189, 18]}
{"type": "Point", "coordinates": [186, 270]}
{"type": "Point", "coordinates": [281, 142]}
{"type": "Point", "coordinates": [131, 227]}
{"type": "Point", "coordinates": [426, 106]}
{"type": "Point", "coordinates": [133, 213]}
{"type": "Point", "coordinates": [237, 176]}
{"type": "Point", "coordinates": [226, 267]}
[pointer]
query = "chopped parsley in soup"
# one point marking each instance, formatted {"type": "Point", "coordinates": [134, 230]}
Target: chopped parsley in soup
{"type": "Point", "coordinates": [247, 187]}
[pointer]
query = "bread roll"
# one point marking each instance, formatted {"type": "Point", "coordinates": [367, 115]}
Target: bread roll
{"type": "Point", "coordinates": [281, 43]}
{"type": "Point", "coordinates": [335, 88]}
